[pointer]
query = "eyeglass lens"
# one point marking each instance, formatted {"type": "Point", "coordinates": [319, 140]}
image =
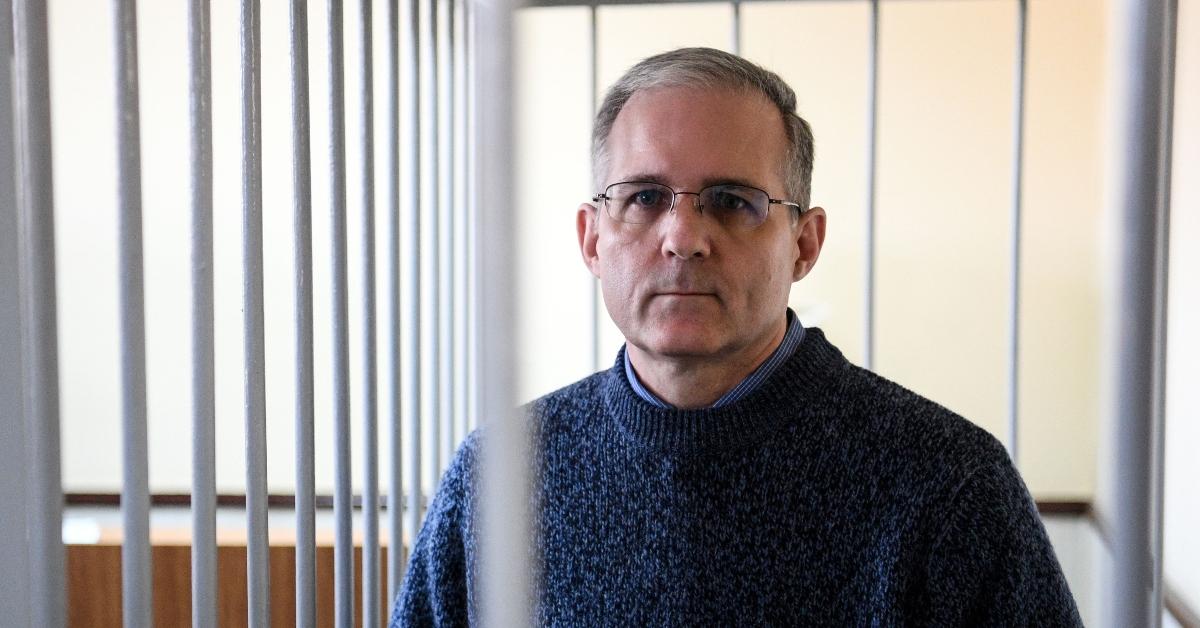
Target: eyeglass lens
{"type": "Point", "coordinates": [730, 205]}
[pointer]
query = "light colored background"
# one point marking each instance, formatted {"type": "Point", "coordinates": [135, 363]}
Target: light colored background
{"type": "Point", "coordinates": [945, 125]}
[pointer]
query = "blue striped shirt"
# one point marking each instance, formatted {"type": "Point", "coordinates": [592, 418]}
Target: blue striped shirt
{"type": "Point", "coordinates": [791, 341]}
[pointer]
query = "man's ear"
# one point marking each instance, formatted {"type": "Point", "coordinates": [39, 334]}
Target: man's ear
{"type": "Point", "coordinates": [810, 237]}
{"type": "Point", "coordinates": [585, 226]}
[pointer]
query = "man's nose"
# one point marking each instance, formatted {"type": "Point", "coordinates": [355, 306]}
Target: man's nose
{"type": "Point", "coordinates": [685, 229]}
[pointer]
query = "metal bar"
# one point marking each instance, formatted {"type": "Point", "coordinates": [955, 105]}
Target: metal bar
{"type": "Point", "coordinates": [204, 470]}
{"type": "Point", "coordinates": [1014, 299]}
{"type": "Point", "coordinates": [1161, 272]}
{"type": "Point", "coordinates": [474, 318]}
{"type": "Point", "coordinates": [411, 401]}
{"type": "Point", "coordinates": [505, 539]}
{"type": "Point", "coordinates": [392, 380]}
{"type": "Point", "coordinates": [16, 606]}
{"type": "Point", "coordinates": [370, 508]}
{"type": "Point", "coordinates": [343, 548]}
{"type": "Point", "coordinates": [595, 302]}
{"type": "Point", "coordinates": [431, 224]}
{"type": "Point", "coordinates": [735, 27]}
{"type": "Point", "coordinates": [35, 221]}
{"type": "Point", "coordinates": [1137, 336]}
{"type": "Point", "coordinates": [306, 538]}
{"type": "Point", "coordinates": [462, 255]}
{"type": "Point", "coordinates": [872, 152]}
{"type": "Point", "coordinates": [445, 246]}
{"type": "Point", "coordinates": [257, 549]}
{"type": "Point", "coordinates": [136, 584]}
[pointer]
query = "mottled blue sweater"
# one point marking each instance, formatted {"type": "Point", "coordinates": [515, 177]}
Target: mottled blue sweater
{"type": "Point", "coordinates": [829, 497]}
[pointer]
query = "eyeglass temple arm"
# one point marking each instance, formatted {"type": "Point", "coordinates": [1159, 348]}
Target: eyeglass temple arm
{"type": "Point", "coordinates": [776, 201]}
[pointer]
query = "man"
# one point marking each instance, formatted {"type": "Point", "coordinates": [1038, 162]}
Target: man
{"type": "Point", "coordinates": [732, 467]}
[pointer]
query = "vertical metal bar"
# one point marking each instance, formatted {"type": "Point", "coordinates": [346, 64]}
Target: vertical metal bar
{"type": "Point", "coordinates": [445, 250]}
{"type": "Point", "coordinates": [872, 151]}
{"type": "Point", "coordinates": [135, 492]}
{"type": "Point", "coordinates": [1014, 299]}
{"type": "Point", "coordinates": [505, 540]}
{"type": "Point", "coordinates": [462, 255]}
{"type": "Point", "coordinates": [594, 295]}
{"type": "Point", "coordinates": [431, 224]}
{"type": "Point", "coordinates": [1137, 336]}
{"type": "Point", "coordinates": [35, 221]}
{"type": "Point", "coordinates": [343, 549]}
{"type": "Point", "coordinates": [392, 382]}
{"type": "Point", "coordinates": [16, 606]}
{"type": "Point", "coordinates": [204, 470]}
{"type": "Point", "coordinates": [306, 541]}
{"type": "Point", "coordinates": [257, 565]}
{"type": "Point", "coordinates": [1161, 272]}
{"type": "Point", "coordinates": [370, 507]}
{"type": "Point", "coordinates": [474, 318]}
{"type": "Point", "coordinates": [735, 27]}
{"type": "Point", "coordinates": [412, 404]}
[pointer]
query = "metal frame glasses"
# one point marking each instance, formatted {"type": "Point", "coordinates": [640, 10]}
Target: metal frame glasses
{"type": "Point", "coordinates": [732, 205]}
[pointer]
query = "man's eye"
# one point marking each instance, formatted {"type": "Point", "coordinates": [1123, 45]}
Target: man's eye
{"type": "Point", "coordinates": [728, 201]}
{"type": "Point", "coordinates": [647, 198]}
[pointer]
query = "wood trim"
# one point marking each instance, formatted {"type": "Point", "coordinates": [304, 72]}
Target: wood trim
{"type": "Point", "coordinates": [274, 500]}
{"type": "Point", "coordinates": [93, 582]}
{"type": "Point", "coordinates": [1064, 507]}
{"type": "Point", "coordinates": [325, 502]}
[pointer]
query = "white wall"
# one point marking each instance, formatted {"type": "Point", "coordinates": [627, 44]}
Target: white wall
{"type": "Point", "coordinates": [1181, 500]}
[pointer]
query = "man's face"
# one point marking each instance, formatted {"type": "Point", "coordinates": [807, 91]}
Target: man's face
{"type": "Point", "coordinates": [686, 287]}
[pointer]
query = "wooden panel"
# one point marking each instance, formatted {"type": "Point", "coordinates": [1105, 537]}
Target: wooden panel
{"type": "Point", "coordinates": [94, 585]}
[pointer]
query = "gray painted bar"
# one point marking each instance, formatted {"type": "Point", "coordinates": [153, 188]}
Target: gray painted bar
{"type": "Point", "coordinates": [1014, 298]}
{"type": "Point", "coordinates": [1136, 336]}
{"type": "Point", "coordinates": [254, 345]}
{"type": "Point", "coordinates": [370, 435]}
{"type": "Point", "coordinates": [136, 584]}
{"type": "Point", "coordinates": [306, 578]}
{"type": "Point", "coordinates": [204, 471]}
{"type": "Point", "coordinates": [343, 548]}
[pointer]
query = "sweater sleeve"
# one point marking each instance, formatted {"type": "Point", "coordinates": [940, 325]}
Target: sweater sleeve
{"type": "Point", "coordinates": [435, 590]}
{"type": "Point", "coordinates": [991, 563]}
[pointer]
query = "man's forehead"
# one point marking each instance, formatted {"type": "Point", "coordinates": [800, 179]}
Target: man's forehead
{"type": "Point", "coordinates": [710, 136]}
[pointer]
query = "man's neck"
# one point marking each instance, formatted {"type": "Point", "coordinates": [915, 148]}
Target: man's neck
{"type": "Point", "coordinates": [698, 382]}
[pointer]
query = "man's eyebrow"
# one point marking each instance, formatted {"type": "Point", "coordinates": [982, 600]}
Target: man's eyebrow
{"type": "Point", "coordinates": [647, 178]}
{"type": "Point", "coordinates": [731, 181]}
{"type": "Point", "coordinates": [706, 182]}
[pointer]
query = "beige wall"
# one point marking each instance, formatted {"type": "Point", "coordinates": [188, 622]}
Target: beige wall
{"type": "Point", "coordinates": [944, 197]}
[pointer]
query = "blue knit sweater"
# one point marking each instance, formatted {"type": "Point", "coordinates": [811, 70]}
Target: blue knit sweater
{"type": "Point", "coordinates": [829, 496]}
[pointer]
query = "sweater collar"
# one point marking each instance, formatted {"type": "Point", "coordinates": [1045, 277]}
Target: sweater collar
{"type": "Point", "coordinates": [811, 369]}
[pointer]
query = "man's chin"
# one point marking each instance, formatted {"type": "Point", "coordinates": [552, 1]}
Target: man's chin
{"type": "Point", "coordinates": [683, 345]}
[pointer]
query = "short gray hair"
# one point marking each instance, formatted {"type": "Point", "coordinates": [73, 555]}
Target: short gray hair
{"type": "Point", "coordinates": [710, 68]}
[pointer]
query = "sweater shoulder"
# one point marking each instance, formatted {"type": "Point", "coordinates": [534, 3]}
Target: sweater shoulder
{"type": "Point", "coordinates": [569, 405]}
{"type": "Point", "coordinates": [885, 414]}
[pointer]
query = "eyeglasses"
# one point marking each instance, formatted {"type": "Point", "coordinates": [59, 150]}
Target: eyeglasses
{"type": "Point", "coordinates": [733, 206]}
